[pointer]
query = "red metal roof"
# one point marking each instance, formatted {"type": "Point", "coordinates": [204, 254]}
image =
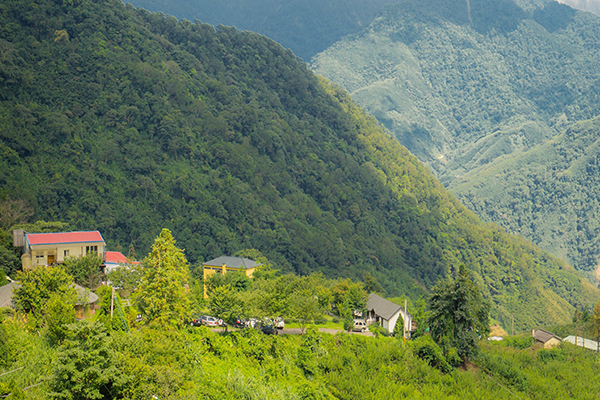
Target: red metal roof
{"type": "Point", "coordinates": [64, 237]}
{"type": "Point", "coordinates": [116, 257]}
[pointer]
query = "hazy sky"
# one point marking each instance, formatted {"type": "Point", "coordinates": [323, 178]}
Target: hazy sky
{"type": "Point", "coordinates": [585, 5]}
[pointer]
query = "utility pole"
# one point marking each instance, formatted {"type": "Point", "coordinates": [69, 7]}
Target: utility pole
{"type": "Point", "coordinates": [404, 319]}
{"type": "Point", "coordinates": [112, 302]}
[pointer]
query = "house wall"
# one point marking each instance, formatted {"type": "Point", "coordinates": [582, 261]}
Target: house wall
{"type": "Point", "coordinates": [48, 254]}
{"type": "Point", "coordinates": [551, 343]}
{"type": "Point", "coordinates": [209, 270]}
{"type": "Point", "coordinates": [392, 322]}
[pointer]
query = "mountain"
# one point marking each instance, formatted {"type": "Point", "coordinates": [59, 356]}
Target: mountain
{"type": "Point", "coordinates": [117, 119]}
{"type": "Point", "coordinates": [465, 87]}
{"type": "Point", "coordinates": [592, 6]}
{"type": "Point", "coordinates": [549, 193]}
{"type": "Point", "coordinates": [306, 27]}
{"type": "Point", "coordinates": [468, 89]}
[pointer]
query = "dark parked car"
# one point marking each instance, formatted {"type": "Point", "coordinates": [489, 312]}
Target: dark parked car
{"type": "Point", "coordinates": [268, 329]}
{"type": "Point", "coordinates": [196, 320]}
{"type": "Point", "coordinates": [240, 323]}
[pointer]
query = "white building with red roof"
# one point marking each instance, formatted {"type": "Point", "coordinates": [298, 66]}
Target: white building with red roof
{"type": "Point", "coordinates": [114, 259]}
{"type": "Point", "coordinates": [53, 248]}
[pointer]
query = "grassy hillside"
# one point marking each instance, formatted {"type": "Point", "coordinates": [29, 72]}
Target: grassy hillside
{"type": "Point", "coordinates": [129, 122]}
{"type": "Point", "coordinates": [548, 194]}
{"type": "Point", "coordinates": [200, 364]}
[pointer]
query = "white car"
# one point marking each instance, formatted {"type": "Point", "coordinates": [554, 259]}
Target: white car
{"type": "Point", "coordinates": [360, 326]}
{"type": "Point", "coordinates": [211, 321]}
{"type": "Point", "coordinates": [279, 323]}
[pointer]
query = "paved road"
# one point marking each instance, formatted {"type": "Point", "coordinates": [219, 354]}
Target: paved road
{"type": "Point", "coordinates": [298, 331]}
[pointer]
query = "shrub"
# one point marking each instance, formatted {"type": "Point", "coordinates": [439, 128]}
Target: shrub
{"type": "Point", "coordinates": [519, 342]}
{"type": "Point", "coordinates": [427, 350]}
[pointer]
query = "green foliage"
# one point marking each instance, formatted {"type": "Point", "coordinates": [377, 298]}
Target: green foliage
{"type": "Point", "coordinates": [227, 139]}
{"type": "Point", "coordinates": [9, 260]}
{"type": "Point", "coordinates": [85, 270]}
{"type": "Point", "coordinates": [237, 280]}
{"type": "Point", "coordinates": [85, 367]}
{"type": "Point", "coordinates": [58, 314]}
{"type": "Point", "coordinates": [38, 286]}
{"type": "Point", "coordinates": [126, 278]}
{"type": "Point", "coordinates": [162, 295]}
{"type": "Point", "coordinates": [225, 304]}
{"type": "Point", "coordinates": [103, 313]}
{"type": "Point", "coordinates": [520, 342]}
{"type": "Point", "coordinates": [43, 227]}
{"type": "Point", "coordinates": [427, 350]}
{"type": "Point", "coordinates": [459, 316]}
{"type": "Point", "coordinates": [489, 100]}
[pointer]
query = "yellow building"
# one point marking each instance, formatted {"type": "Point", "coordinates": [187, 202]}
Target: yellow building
{"type": "Point", "coordinates": [53, 248]}
{"type": "Point", "coordinates": [225, 264]}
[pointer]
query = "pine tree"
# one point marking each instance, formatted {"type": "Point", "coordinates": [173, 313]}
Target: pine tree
{"type": "Point", "coordinates": [163, 293]}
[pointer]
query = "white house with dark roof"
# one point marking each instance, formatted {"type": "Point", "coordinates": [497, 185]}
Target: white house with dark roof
{"type": "Point", "coordinates": [114, 259]}
{"type": "Point", "coordinates": [53, 248]}
{"type": "Point", "coordinates": [386, 314]}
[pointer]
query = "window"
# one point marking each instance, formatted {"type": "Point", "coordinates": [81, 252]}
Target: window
{"type": "Point", "coordinates": [67, 253]}
{"type": "Point", "coordinates": [91, 249]}
{"type": "Point", "coordinates": [40, 260]}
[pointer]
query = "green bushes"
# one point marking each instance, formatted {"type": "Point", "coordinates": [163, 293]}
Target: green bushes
{"type": "Point", "coordinates": [519, 342]}
{"type": "Point", "coordinates": [427, 350]}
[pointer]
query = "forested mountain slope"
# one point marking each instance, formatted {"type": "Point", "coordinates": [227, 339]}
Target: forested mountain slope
{"type": "Point", "coordinates": [306, 27]}
{"type": "Point", "coordinates": [464, 87]}
{"type": "Point", "coordinates": [550, 193]}
{"type": "Point", "coordinates": [467, 88]}
{"type": "Point", "coordinates": [121, 120]}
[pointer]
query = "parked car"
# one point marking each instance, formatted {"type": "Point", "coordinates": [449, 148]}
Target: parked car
{"type": "Point", "coordinates": [279, 323]}
{"type": "Point", "coordinates": [252, 323]}
{"type": "Point", "coordinates": [207, 320]}
{"type": "Point", "coordinates": [196, 321]}
{"type": "Point", "coordinates": [268, 329]}
{"type": "Point", "coordinates": [360, 326]}
{"type": "Point", "coordinates": [240, 323]}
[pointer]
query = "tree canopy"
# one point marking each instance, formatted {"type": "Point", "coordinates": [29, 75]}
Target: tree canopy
{"type": "Point", "coordinates": [163, 293]}
{"type": "Point", "coordinates": [459, 315]}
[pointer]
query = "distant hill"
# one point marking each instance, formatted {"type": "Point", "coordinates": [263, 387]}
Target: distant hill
{"type": "Point", "coordinates": [550, 193]}
{"type": "Point", "coordinates": [467, 88]}
{"type": "Point", "coordinates": [128, 122]}
{"type": "Point", "coordinates": [306, 27]}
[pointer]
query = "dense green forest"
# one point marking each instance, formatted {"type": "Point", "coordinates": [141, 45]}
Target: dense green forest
{"type": "Point", "coordinates": [467, 88]}
{"type": "Point", "coordinates": [306, 27]}
{"type": "Point", "coordinates": [549, 194]}
{"type": "Point", "coordinates": [128, 122]}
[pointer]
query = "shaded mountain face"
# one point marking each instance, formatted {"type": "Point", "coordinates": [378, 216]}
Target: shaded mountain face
{"type": "Point", "coordinates": [306, 27]}
{"type": "Point", "coordinates": [128, 122]}
{"type": "Point", "coordinates": [466, 91]}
